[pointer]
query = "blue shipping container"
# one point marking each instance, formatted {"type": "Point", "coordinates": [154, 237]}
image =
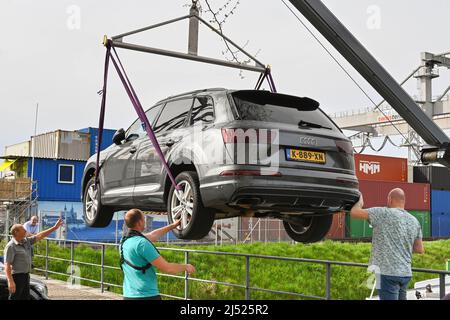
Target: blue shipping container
{"type": "Point", "coordinates": [49, 185]}
{"type": "Point", "coordinates": [106, 139]}
{"type": "Point", "coordinates": [440, 213]}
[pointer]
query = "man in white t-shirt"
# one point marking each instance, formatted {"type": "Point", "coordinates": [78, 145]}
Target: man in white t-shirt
{"type": "Point", "coordinates": [32, 226]}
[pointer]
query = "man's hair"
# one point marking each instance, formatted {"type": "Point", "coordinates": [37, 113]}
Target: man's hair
{"type": "Point", "coordinates": [132, 217]}
{"type": "Point", "coordinates": [15, 228]}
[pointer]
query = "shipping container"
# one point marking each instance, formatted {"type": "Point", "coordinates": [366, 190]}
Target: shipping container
{"type": "Point", "coordinates": [440, 201]}
{"type": "Point", "coordinates": [438, 177]}
{"type": "Point", "coordinates": [106, 138]}
{"type": "Point", "coordinates": [50, 185]}
{"type": "Point", "coordinates": [18, 150]}
{"type": "Point", "coordinates": [369, 167]}
{"type": "Point", "coordinates": [337, 230]}
{"type": "Point", "coordinates": [440, 224]}
{"type": "Point", "coordinates": [358, 228]}
{"type": "Point", "coordinates": [363, 229]}
{"type": "Point", "coordinates": [69, 145]}
{"type": "Point", "coordinates": [73, 145]}
{"type": "Point", "coordinates": [375, 194]}
{"type": "Point", "coordinates": [424, 218]}
{"type": "Point", "coordinates": [440, 213]}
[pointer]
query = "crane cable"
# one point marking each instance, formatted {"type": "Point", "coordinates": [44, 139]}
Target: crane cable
{"type": "Point", "coordinates": [351, 77]}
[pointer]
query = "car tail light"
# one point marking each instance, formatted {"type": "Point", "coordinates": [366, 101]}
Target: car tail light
{"type": "Point", "coordinates": [229, 173]}
{"type": "Point", "coordinates": [344, 146]}
{"type": "Point", "coordinates": [262, 136]}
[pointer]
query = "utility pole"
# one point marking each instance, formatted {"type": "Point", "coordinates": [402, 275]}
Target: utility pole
{"type": "Point", "coordinates": [7, 223]}
{"type": "Point", "coordinates": [32, 158]}
{"type": "Point", "coordinates": [193, 29]}
{"type": "Point", "coordinates": [33, 144]}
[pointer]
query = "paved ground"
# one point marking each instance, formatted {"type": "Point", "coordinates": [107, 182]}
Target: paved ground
{"type": "Point", "coordinates": [59, 290]}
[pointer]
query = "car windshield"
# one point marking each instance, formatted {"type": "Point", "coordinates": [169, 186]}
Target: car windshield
{"type": "Point", "coordinates": [273, 112]}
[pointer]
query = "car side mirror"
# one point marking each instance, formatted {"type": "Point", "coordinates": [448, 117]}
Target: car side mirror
{"type": "Point", "coordinates": [119, 136]}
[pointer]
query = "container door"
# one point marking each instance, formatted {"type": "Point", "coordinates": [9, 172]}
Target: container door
{"type": "Point", "coordinates": [440, 224]}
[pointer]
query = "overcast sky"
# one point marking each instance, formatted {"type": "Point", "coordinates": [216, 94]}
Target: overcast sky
{"type": "Point", "coordinates": [51, 54]}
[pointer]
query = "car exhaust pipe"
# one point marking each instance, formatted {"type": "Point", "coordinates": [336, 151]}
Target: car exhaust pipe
{"type": "Point", "coordinates": [248, 202]}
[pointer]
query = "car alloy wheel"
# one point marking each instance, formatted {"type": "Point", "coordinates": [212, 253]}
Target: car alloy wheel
{"type": "Point", "coordinates": [182, 204]}
{"type": "Point", "coordinates": [91, 202]}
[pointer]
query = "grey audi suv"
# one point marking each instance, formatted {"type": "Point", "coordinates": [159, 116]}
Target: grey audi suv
{"type": "Point", "coordinates": [232, 153]}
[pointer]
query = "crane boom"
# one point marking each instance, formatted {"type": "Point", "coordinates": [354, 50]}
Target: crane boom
{"type": "Point", "coordinates": [369, 68]}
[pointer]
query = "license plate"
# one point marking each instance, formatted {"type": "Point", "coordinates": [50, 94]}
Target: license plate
{"type": "Point", "coordinates": [305, 155]}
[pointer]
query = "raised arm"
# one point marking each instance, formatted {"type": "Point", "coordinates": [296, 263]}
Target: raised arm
{"type": "Point", "coordinates": [45, 233]}
{"type": "Point", "coordinates": [357, 212]}
{"type": "Point", "coordinates": [158, 233]}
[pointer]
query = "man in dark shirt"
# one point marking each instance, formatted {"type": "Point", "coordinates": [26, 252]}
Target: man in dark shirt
{"type": "Point", "coordinates": [18, 260]}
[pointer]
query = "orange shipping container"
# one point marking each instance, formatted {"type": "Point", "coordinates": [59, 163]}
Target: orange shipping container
{"type": "Point", "coordinates": [337, 230]}
{"type": "Point", "coordinates": [379, 168]}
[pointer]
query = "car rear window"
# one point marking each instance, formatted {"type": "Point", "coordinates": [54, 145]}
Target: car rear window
{"type": "Point", "coordinates": [256, 109]}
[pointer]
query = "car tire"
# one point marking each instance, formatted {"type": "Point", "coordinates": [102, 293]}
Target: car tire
{"type": "Point", "coordinates": [197, 220]}
{"type": "Point", "coordinates": [309, 229]}
{"type": "Point", "coordinates": [95, 214]}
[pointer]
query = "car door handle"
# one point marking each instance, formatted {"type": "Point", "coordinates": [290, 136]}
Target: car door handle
{"type": "Point", "coordinates": [133, 150]}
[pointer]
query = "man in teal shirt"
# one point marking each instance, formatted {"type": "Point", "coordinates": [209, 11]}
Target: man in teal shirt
{"type": "Point", "coordinates": [139, 258]}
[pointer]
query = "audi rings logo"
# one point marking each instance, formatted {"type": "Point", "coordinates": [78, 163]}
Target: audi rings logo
{"type": "Point", "coordinates": [308, 141]}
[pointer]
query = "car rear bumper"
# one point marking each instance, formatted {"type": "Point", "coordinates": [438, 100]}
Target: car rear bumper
{"type": "Point", "coordinates": [300, 194]}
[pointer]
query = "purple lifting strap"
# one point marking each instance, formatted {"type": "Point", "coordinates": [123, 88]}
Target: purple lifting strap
{"type": "Point", "coordinates": [138, 108]}
{"type": "Point", "coordinates": [102, 115]}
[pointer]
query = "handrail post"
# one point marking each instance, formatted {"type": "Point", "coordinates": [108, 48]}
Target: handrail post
{"type": "Point", "coordinates": [71, 262]}
{"type": "Point", "coordinates": [247, 278]}
{"type": "Point", "coordinates": [328, 282]}
{"type": "Point", "coordinates": [441, 285]}
{"type": "Point", "coordinates": [102, 274]}
{"type": "Point", "coordinates": [186, 276]}
{"type": "Point", "coordinates": [46, 259]}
